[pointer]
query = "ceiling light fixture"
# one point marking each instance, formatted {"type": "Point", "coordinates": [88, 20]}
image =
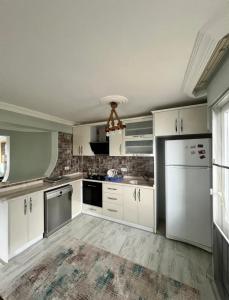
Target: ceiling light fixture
{"type": "Point", "coordinates": [114, 124]}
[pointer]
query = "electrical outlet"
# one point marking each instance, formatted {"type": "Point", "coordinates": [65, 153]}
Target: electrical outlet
{"type": "Point", "coordinates": [123, 170]}
{"type": "Point", "coordinates": [67, 168]}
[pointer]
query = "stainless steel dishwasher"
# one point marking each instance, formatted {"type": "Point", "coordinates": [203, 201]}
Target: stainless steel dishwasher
{"type": "Point", "coordinates": [58, 208]}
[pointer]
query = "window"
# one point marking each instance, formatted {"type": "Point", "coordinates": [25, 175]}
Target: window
{"type": "Point", "coordinates": [221, 166]}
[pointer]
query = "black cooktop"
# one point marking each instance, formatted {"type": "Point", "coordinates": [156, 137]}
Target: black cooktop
{"type": "Point", "coordinates": [96, 177]}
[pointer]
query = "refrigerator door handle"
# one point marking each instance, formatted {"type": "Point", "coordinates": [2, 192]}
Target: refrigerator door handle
{"type": "Point", "coordinates": [181, 125]}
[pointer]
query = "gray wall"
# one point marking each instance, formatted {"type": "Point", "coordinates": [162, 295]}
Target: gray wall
{"type": "Point", "coordinates": [219, 83]}
{"type": "Point", "coordinates": [9, 119]}
{"type": "Point", "coordinates": [31, 154]}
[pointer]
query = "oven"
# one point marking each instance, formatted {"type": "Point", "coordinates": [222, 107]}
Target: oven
{"type": "Point", "coordinates": [58, 208]}
{"type": "Point", "coordinates": [92, 193]}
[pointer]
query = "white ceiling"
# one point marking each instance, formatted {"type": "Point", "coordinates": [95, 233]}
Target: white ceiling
{"type": "Point", "coordinates": [61, 56]}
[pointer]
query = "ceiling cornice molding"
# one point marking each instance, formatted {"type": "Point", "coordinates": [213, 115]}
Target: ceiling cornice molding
{"type": "Point", "coordinates": [206, 42]}
{"type": "Point", "coordinates": [33, 113]}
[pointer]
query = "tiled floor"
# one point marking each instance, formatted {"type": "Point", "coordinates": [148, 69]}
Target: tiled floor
{"type": "Point", "coordinates": [182, 262]}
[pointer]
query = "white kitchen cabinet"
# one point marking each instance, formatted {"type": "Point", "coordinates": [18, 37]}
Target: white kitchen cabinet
{"type": "Point", "coordinates": [18, 223]}
{"type": "Point", "coordinates": [26, 220]}
{"type": "Point", "coordinates": [181, 121]}
{"type": "Point", "coordinates": [138, 138]}
{"type": "Point", "coordinates": [166, 123]}
{"type": "Point", "coordinates": [145, 199]}
{"type": "Point", "coordinates": [130, 204]}
{"type": "Point", "coordinates": [35, 211]}
{"type": "Point", "coordinates": [139, 206]}
{"type": "Point", "coordinates": [82, 136]}
{"type": "Point", "coordinates": [116, 144]}
{"type": "Point", "coordinates": [76, 197]}
{"type": "Point", "coordinates": [193, 120]}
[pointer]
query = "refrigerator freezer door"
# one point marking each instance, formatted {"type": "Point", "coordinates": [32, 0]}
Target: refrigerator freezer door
{"type": "Point", "coordinates": [193, 152]}
{"type": "Point", "coordinates": [188, 205]}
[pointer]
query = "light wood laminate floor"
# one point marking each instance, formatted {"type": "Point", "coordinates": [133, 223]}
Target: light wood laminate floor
{"type": "Point", "coordinates": [182, 262]}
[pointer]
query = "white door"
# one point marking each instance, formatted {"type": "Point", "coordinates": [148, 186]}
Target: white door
{"type": "Point", "coordinates": [145, 207]}
{"type": "Point", "coordinates": [35, 215]}
{"type": "Point", "coordinates": [76, 197]}
{"type": "Point", "coordinates": [77, 141]}
{"type": "Point", "coordinates": [115, 144]}
{"type": "Point", "coordinates": [18, 233]}
{"type": "Point", "coordinates": [166, 123]}
{"type": "Point", "coordinates": [176, 208]}
{"type": "Point", "coordinates": [199, 207]}
{"type": "Point", "coordinates": [188, 206]}
{"type": "Point", "coordinates": [86, 136]}
{"type": "Point", "coordinates": [193, 120]}
{"type": "Point", "coordinates": [191, 152]}
{"type": "Point", "coordinates": [130, 205]}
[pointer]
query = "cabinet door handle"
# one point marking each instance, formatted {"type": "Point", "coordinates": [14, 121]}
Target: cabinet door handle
{"type": "Point", "coordinates": [25, 207]}
{"type": "Point", "coordinates": [135, 191]}
{"type": "Point", "coordinates": [139, 195]}
{"type": "Point", "coordinates": [181, 125]}
{"type": "Point", "coordinates": [81, 150]}
{"type": "Point", "coordinates": [176, 125]}
{"type": "Point", "coordinates": [113, 210]}
{"type": "Point", "coordinates": [30, 204]}
{"type": "Point", "coordinates": [112, 198]}
{"type": "Point", "coordinates": [113, 189]}
{"type": "Point", "coordinates": [120, 149]}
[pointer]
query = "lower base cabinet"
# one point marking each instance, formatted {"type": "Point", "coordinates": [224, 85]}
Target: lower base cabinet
{"type": "Point", "coordinates": [138, 206]}
{"type": "Point", "coordinates": [76, 197]}
{"type": "Point", "coordinates": [26, 220]}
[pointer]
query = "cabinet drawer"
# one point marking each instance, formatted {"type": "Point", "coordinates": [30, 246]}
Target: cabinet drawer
{"type": "Point", "coordinates": [113, 211]}
{"type": "Point", "coordinates": [112, 198]}
{"type": "Point", "coordinates": [112, 188]}
{"type": "Point", "coordinates": [91, 209]}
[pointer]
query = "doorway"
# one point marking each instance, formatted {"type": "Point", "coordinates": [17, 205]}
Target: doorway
{"type": "Point", "coordinates": [4, 157]}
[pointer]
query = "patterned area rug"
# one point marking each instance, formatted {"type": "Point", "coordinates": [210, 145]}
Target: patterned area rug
{"type": "Point", "coordinates": [84, 272]}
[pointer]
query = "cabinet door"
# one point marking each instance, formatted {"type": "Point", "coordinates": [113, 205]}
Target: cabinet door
{"type": "Point", "coordinates": [35, 215]}
{"type": "Point", "coordinates": [76, 197]}
{"type": "Point", "coordinates": [76, 141]}
{"type": "Point", "coordinates": [115, 144]}
{"type": "Point", "coordinates": [166, 123]}
{"type": "Point", "coordinates": [18, 234]}
{"type": "Point", "coordinates": [130, 206]}
{"type": "Point", "coordinates": [82, 136]}
{"type": "Point", "coordinates": [145, 199]}
{"type": "Point", "coordinates": [193, 120]}
{"type": "Point", "coordinates": [87, 135]}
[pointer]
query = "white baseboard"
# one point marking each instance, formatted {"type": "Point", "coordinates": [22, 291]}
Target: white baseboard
{"type": "Point", "coordinates": [75, 215]}
{"type": "Point", "coordinates": [120, 221]}
{"type": "Point", "coordinates": [26, 246]}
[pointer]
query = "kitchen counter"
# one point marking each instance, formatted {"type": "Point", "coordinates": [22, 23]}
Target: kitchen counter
{"type": "Point", "coordinates": [10, 192]}
{"type": "Point", "coordinates": [18, 190]}
{"type": "Point", "coordinates": [128, 180]}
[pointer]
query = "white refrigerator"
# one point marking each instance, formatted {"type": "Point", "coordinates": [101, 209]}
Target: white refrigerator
{"type": "Point", "coordinates": [187, 191]}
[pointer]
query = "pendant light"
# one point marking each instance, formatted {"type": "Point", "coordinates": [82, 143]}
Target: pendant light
{"type": "Point", "coordinates": [114, 124]}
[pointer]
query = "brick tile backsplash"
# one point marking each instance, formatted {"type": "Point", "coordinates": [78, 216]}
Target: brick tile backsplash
{"type": "Point", "coordinates": [136, 166]}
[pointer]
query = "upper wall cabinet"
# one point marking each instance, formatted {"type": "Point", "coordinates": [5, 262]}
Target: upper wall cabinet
{"type": "Point", "coordinates": [82, 136]}
{"type": "Point", "coordinates": [181, 121]}
{"type": "Point", "coordinates": [116, 144]}
{"type": "Point", "coordinates": [138, 137]}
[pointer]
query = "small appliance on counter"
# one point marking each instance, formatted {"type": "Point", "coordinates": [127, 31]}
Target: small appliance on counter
{"type": "Point", "coordinates": [113, 176]}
